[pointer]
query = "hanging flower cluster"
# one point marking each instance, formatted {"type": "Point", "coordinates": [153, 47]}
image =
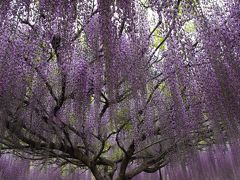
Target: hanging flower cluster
{"type": "Point", "coordinates": [120, 87]}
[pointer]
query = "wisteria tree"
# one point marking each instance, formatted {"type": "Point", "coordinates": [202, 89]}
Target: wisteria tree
{"type": "Point", "coordinates": [120, 87]}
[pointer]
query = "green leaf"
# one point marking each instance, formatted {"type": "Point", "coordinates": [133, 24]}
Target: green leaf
{"type": "Point", "coordinates": [180, 10]}
{"type": "Point", "coordinates": [117, 154]}
{"type": "Point", "coordinates": [106, 146]}
{"type": "Point", "coordinates": [72, 118]}
{"type": "Point", "coordinates": [164, 88]}
{"type": "Point", "coordinates": [157, 41]}
{"type": "Point", "coordinates": [189, 27]}
{"type": "Point", "coordinates": [128, 126]}
{"type": "Point", "coordinates": [202, 142]}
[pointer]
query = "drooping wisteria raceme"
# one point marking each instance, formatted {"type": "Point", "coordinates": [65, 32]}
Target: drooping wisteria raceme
{"type": "Point", "coordinates": [119, 89]}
